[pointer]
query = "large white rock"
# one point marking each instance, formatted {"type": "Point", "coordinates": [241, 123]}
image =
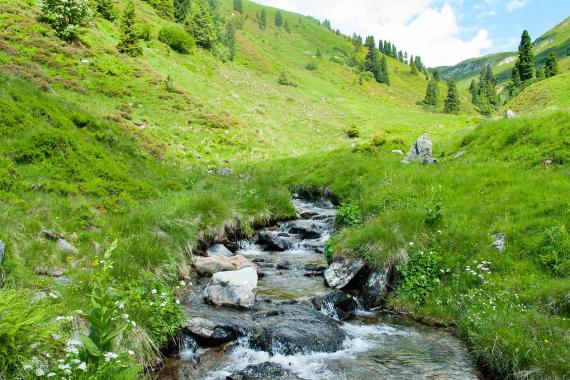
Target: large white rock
{"type": "Point", "coordinates": [207, 266]}
{"type": "Point", "coordinates": [510, 114]}
{"type": "Point", "coordinates": [421, 151]}
{"type": "Point", "coordinates": [233, 289]}
{"type": "Point", "coordinates": [342, 271]}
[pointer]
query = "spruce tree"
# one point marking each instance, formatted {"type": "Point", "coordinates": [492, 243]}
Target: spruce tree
{"type": "Point", "coordinates": [432, 94]}
{"type": "Point", "coordinates": [129, 39]}
{"type": "Point", "coordinates": [436, 75]}
{"type": "Point", "coordinates": [474, 91]}
{"type": "Point", "coordinates": [202, 25]}
{"type": "Point", "coordinates": [286, 26]}
{"type": "Point", "coordinates": [262, 21]}
{"type": "Point", "coordinates": [516, 83]}
{"type": "Point", "coordinates": [383, 76]}
{"type": "Point", "coordinates": [394, 52]}
{"type": "Point", "coordinates": [525, 62]}
{"type": "Point", "coordinates": [357, 41]}
{"type": "Point", "coordinates": [238, 6]}
{"type": "Point", "coordinates": [181, 10]}
{"type": "Point", "coordinates": [164, 8]}
{"type": "Point", "coordinates": [452, 100]}
{"type": "Point", "coordinates": [370, 43]}
{"type": "Point", "coordinates": [381, 46]}
{"type": "Point", "coordinates": [278, 19]}
{"type": "Point", "coordinates": [401, 56]}
{"type": "Point", "coordinates": [105, 9]}
{"type": "Point", "coordinates": [551, 66]}
{"type": "Point", "coordinates": [371, 62]}
{"type": "Point", "coordinates": [540, 73]}
{"type": "Point", "coordinates": [230, 40]}
{"type": "Point", "coordinates": [406, 57]}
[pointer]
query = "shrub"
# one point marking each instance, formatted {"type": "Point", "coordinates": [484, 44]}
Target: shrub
{"type": "Point", "coordinates": [177, 38]}
{"type": "Point", "coordinates": [420, 275]}
{"type": "Point", "coordinates": [329, 249]}
{"type": "Point", "coordinates": [67, 16]}
{"type": "Point", "coordinates": [352, 132]}
{"type": "Point", "coordinates": [554, 251]}
{"type": "Point", "coordinates": [145, 32]}
{"type": "Point", "coordinates": [311, 66]}
{"type": "Point", "coordinates": [349, 214]}
{"type": "Point", "coordinates": [286, 80]}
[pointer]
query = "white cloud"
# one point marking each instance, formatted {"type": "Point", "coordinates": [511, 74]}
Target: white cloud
{"type": "Point", "coordinates": [515, 4]}
{"type": "Point", "coordinates": [420, 27]}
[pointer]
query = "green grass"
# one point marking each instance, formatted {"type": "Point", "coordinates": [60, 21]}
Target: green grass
{"type": "Point", "coordinates": [97, 148]}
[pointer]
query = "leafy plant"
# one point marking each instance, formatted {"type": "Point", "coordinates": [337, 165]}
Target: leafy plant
{"type": "Point", "coordinates": [349, 214]}
{"type": "Point", "coordinates": [311, 66]}
{"type": "Point", "coordinates": [352, 132]}
{"type": "Point", "coordinates": [420, 275]}
{"type": "Point", "coordinates": [434, 216]}
{"type": "Point", "coordinates": [329, 249]}
{"type": "Point", "coordinates": [103, 325]}
{"type": "Point", "coordinates": [286, 80]}
{"type": "Point", "coordinates": [554, 251]}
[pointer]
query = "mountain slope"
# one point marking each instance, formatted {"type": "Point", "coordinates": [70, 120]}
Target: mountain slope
{"type": "Point", "coordinates": [556, 40]}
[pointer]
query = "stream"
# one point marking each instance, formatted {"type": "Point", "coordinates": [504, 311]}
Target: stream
{"type": "Point", "coordinates": [299, 327]}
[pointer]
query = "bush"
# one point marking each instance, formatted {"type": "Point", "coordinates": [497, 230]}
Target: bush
{"type": "Point", "coordinates": [67, 16]}
{"type": "Point", "coordinates": [311, 66]}
{"type": "Point", "coordinates": [554, 251]}
{"type": "Point", "coordinates": [420, 275]}
{"type": "Point", "coordinates": [352, 132]}
{"type": "Point", "coordinates": [286, 80]}
{"type": "Point", "coordinates": [349, 214]}
{"type": "Point", "coordinates": [177, 38]}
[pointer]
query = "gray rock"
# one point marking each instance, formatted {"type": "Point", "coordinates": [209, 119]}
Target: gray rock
{"type": "Point", "coordinates": [65, 246]}
{"type": "Point", "coordinates": [273, 241]}
{"type": "Point", "coordinates": [264, 371]}
{"type": "Point", "coordinates": [212, 333]}
{"type": "Point", "coordinates": [460, 154]}
{"type": "Point", "coordinates": [421, 151]}
{"type": "Point", "coordinates": [207, 266]}
{"type": "Point", "coordinates": [398, 151]}
{"type": "Point", "coordinates": [376, 287]}
{"type": "Point", "coordinates": [219, 250]}
{"type": "Point", "coordinates": [283, 264]}
{"type": "Point", "coordinates": [50, 235]}
{"type": "Point", "coordinates": [500, 242]}
{"type": "Point", "coordinates": [510, 114]}
{"type": "Point", "coordinates": [342, 271]}
{"type": "Point", "coordinates": [336, 305]}
{"type": "Point", "coordinates": [225, 172]}
{"type": "Point", "coordinates": [2, 251]}
{"type": "Point", "coordinates": [298, 329]}
{"type": "Point", "coordinates": [233, 289]}
{"type": "Point", "coordinates": [305, 229]}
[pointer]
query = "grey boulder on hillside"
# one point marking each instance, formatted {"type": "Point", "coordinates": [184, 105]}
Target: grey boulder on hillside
{"type": "Point", "coordinates": [421, 151]}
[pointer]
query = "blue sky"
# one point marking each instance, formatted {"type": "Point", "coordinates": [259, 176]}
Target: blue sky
{"type": "Point", "coordinates": [443, 32]}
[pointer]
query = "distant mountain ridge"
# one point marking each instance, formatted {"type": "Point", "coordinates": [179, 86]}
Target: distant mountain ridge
{"type": "Point", "coordinates": [555, 40]}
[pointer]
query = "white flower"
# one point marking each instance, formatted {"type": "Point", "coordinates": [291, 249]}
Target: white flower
{"type": "Point", "coordinates": [182, 283]}
{"type": "Point", "coordinates": [74, 342]}
{"type": "Point", "coordinates": [151, 303]}
{"type": "Point", "coordinates": [163, 295]}
{"type": "Point", "coordinates": [28, 367]}
{"type": "Point", "coordinates": [72, 350]}
{"type": "Point", "coordinates": [163, 304]}
{"type": "Point", "coordinates": [40, 372]}
{"type": "Point", "coordinates": [411, 244]}
{"type": "Point", "coordinates": [82, 366]}
{"type": "Point", "coordinates": [51, 374]}
{"type": "Point", "coordinates": [130, 352]}
{"type": "Point", "coordinates": [177, 302]}
{"type": "Point", "coordinates": [126, 316]}
{"type": "Point", "coordinates": [109, 356]}
{"type": "Point", "coordinates": [153, 291]}
{"type": "Point", "coordinates": [134, 323]}
{"type": "Point", "coordinates": [121, 306]}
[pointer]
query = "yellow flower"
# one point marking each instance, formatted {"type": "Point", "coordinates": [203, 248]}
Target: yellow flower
{"type": "Point", "coordinates": [546, 341]}
{"type": "Point", "coordinates": [95, 263]}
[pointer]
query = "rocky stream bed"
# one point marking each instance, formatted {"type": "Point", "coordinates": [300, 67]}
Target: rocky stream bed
{"type": "Point", "coordinates": [269, 310]}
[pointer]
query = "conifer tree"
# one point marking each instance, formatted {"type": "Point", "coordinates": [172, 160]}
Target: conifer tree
{"type": "Point", "coordinates": [371, 62]}
{"type": "Point", "coordinates": [181, 10]}
{"type": "Point", "coordinates": [230, 40]}
{"type": "Point", "coordinates": [413, 69]}
{"type": "Point", "coordinates": [406, 57]}
{"type": "Point", "coordinates": [394, 52]}
{"type": "Point", "coordinates": [202, 25]}
{"type": "Point", "coordinates": [129, 39]}
{"type": "Point", "coordinates": [262, 21]}
{"type": "Point", "coordinates": [516, 83]}
{"type": "Point", "coordinates": [370, 43]}
{"type": "Point", "coordinates": [381, 46]}
{"type": "Point", "coordinates": [164, 8]}
{"type": "Point", "coordinates": [279, 19]}
{"type": "Point", "coordinates": [383, 76]}
{"type": "Point", "coordinates": [238, 6]}
{"type": "Point", "coordinates": [105, 9]}
{"type": "Point", "coordinates": [357, 41]}
{"type": "Point", "coordinates": [474, 91]}
{"type": "Point", "coordinates": [540, 73]}
{"type": "Point", "coordinates": [436, 75]}
{"type": "Point", "coordinates": [401, 56]}
{"type": "Point", "coordinates": [432, 94]}
{"type": "Point", "coordinates": [452, 100]}
{"type": "Point", "coordinates": [551, 66]}
{"type": "Point", "coordinates": [286, 26]}
{"type": "Point", "coordinates": [525, 62]}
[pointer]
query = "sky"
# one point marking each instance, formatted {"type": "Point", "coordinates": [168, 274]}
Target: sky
{"type": "Point", "coordinates": [442, 32]}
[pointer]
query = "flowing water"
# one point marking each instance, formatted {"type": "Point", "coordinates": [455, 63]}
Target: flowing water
{"type": "Point", "coordinates": [378, 346]}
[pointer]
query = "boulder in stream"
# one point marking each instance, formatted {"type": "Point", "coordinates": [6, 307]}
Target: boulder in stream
{"type": "Point", "coordinates": [217, 250]}
{"type": "Point", "coordinates": [336, 305]}
{"type": "Point", "coordinates": [211, 332]}
{"type": "Point", "coordinates": [297, 329]}
{"type": "Point", "coordinates": [273, 241]}
{"type": "Point", "coordinates": [304, 229]}
{"type": "Point", "coordinates": [208, 266]}
{"type": "Point", "coordinates": [233, 289]}
{"type": "Point", "coordinates": [342, 271]}
{"type": "Point", "coordinates": [375, 288]}
{"type": "Point", "coordinates": [264, 371]}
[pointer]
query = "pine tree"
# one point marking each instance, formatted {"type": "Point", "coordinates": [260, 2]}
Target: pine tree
{"type": "Point", "coordinates": [357, 41]}
{"type": "Point", "coordinates": [436, 75]}
{"type": "Point", "coordinates": [525, 62]}
{"type": "Point", "coordinates": [406, 57]}
{"type": "Point", "coordinates": [279, 19]}
{"type": "Point", "coordinates": [262, 21]}
{"type": "Point", "coordinates": [432, 94]}
{"type": "Point", "coordinates": [452, 100]}
{"type": "Point", "coordinates": [474, 91]}
{"type": "Point", "coordinates": [383, 76]}
{"type": "Point", "coordinates": [128, 41]}
{"type": "Point", "coordinates": [413, 69]}
{"type": "Point", "coordinates": [370, 43]}
{"type": "Point", "coordinates": [105, 9]}
{"type": "Point", "coordinates": [164, 8]}
{"type": "Point", "coordinates": [540, 73]}
{"type": "Point", "coordinates": [202, 25]}
{"type": "Point", "coordinates": [516, 83]}
{"type": "Point", "coordinates": [238, 6]}
{"type": "Point", "coordinates": [371, 62]}
{"type": "Point", "coordinates": [230, 40]}
{"type": "Point", "coordinates": [181, 10]}
{"type": "Point", "coordinates": [401, 56]}
{"type": "Point", "coordinates": [551, 66]}
{"type": "Point", "coordinates": [381, 46]}
{"type": "Point", "coordinates": [286, 26]}
{"type": "Point", "coordinates": [394, 52]}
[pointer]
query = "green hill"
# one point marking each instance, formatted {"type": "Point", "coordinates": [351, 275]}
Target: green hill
{"type": "Point", "coordinates": [556, 40]}
{"type": "Point", "coordinates": [152, 158]}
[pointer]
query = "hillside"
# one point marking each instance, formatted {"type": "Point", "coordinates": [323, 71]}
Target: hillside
{"type": "Point", "coordinates": [555, 40]}
{"type": "Point", "coordinates": [117, 172]}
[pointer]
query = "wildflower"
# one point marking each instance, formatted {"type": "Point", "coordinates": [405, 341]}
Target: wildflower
{"type": "Point", "coordinates": [411, 244]}
{"type": "Point", "coordinates": [151, 303]}
{"type": "Point", "coordinates": [51, 374]}
{"type": "Point", "coordinates": [153, 291]}
{"type": "Point", "coordinates": [182, 283]}
{"type": "Point", "coordinates": [40, 372]}
{"type": "Point", "coordinates": [82, 366]}
{"type": "Point", "coordinates": [126, 316]}
{"type": "Point", "coordinates": [130, 352]}
{"type": "Point", "coordinates": [546, 341]}
{"type": "Point", "coordinates": [134, 323]}
{"type": "Point", "coordinates": [109, 356]}
{"type": "Point", "coordinates": [163, 304]}
{"type": "Point", "coordinates": [28, 367]}
{"type": "Point", "coordinates": [177, 302]}
{"type": "Point", "coordinates": [121, 306]}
